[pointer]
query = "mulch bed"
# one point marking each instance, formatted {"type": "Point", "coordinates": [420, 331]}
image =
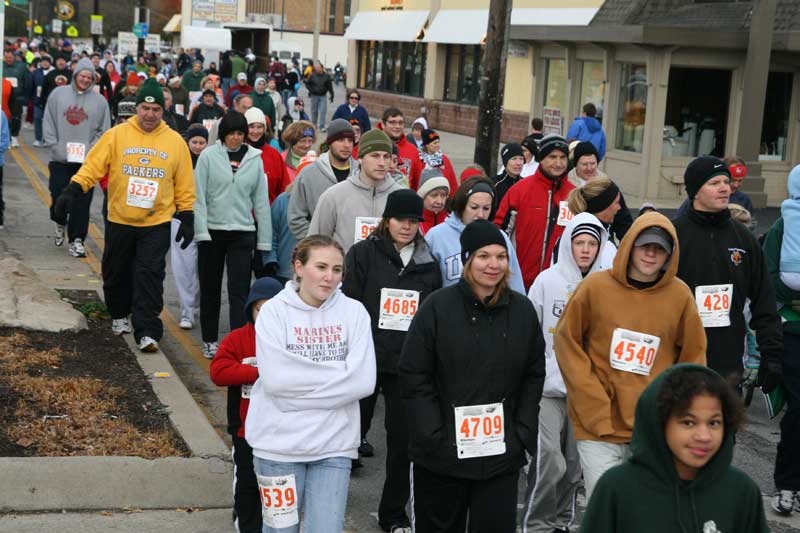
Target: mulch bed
{"type": "Point", "coordinates": [68, 393]}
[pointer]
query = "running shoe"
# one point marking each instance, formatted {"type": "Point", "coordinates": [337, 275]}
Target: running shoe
{"type": "Point", "coordinates": [186, 323]}
{"type": "Point", "coordinates": [59, 236]}
{"type": "Point", "coordinates": [14, 142]}
{"type": "Point", "coordinates": [366, 449]}
{"type": "Point", "coordinates": [147, 344]}
{"type": "Point", "coordinates": [120, 326]}
{"type": "Point", "coordinates": [210, 349]}
{"type": "Point", "coordinates": [76, 248]}
{"type": "Point", "coordinates": [783, 501]}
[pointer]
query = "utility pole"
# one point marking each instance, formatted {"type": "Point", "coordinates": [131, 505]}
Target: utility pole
{"type": "Point", "coordinates": [493, 80]}
{"type": "Point", "coordinates": [315, 54]}
{"type": "Point", "coordinates": [96, 38]}
{"type": "Point", "coordinates": [142, 15]}
{"type": "Point", "coordinates": [30, 19]}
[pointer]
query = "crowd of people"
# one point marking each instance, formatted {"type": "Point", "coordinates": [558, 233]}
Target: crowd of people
{"type": "Point", "coordinates": [523, 318]}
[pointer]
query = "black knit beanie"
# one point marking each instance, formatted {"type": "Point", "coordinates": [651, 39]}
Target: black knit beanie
{"type": "Point", "coordinates": [231, 121]}
{"type": "Point", "coordinates": [701, 170]}
{"type": "Point", "coordinates": [478, 234]}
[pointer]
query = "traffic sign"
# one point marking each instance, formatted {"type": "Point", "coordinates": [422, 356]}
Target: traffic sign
{"type": "Point", "coordinates": [72, 31]}
{"type": "Point", "coordinates": [140, 29]}
{"type": "Point", "coordinates": [97, 25]}
{"type": "Point", "coordinates": [57, 25]}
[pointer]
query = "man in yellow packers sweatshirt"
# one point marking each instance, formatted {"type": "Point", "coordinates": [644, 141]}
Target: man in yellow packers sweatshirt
{"type": "Point", "coordinates": [150, 177]}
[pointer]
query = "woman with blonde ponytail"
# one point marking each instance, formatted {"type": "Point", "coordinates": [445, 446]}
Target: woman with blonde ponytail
{"type": "Point", "coordinates": [601, 198]}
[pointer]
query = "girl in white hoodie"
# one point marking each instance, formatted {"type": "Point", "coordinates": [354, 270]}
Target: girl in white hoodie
{"type": "Point", "coordinates": [316, 360]}
{"type": "Point", "coordinates": [555, 473]}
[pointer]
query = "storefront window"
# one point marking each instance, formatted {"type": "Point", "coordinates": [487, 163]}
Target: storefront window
{"type": "Point", "coordinates": [392, 67]}
{"type": "Point", "coordinates": [632, 107]}
{"type": "Point", "coordinates": [555, 83]}
{"type": "Point", "coordinates": [776, 117]}
{"type": "Point", "coordinates": [696, 118]}
{"type": "Point", "coordinates": [593, 86]}
{"type": "Point", "coordinates": [463, 74]}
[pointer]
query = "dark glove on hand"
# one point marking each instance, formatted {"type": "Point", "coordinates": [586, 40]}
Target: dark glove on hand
{"type": "Point", "coordinates": [770, 373]}
{"type": "Point", "coordinates": [64, 202]}
{"type": "Point", "coordinates": [186, 229]}
{"type": "Point", "coordinates": [330, 98]}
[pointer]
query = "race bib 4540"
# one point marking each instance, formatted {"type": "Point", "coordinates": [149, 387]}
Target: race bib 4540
{"type": "Point", "coordinates": [632, 351]}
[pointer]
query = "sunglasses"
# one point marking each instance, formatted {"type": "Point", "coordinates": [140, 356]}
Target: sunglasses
{"type": "Point", "coordinates": [355, 98]}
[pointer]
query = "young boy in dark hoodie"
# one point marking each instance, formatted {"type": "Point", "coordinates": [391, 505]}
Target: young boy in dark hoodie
{"type": "Point", "coordinates": [680, 477]}
{"type": "Point", "coordinates": [234, 366]}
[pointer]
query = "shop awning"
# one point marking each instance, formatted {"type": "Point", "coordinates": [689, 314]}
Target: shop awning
{"type": "Point", "coordinates": [174, 25]}
{"type": "Point", "coordinates": [208, 38]}
{"type": "Point", "coordinates": [458, 26]}
{"type": "Point", "coordinates": [552, 16]}
{"type": "Point", "coordinates": [403, 26]}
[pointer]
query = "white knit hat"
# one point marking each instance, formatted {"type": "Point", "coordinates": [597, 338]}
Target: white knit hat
{"type": "Point", "coordinates": [254, 114]}
{"type": "Point", "coordinates": [430, 179]}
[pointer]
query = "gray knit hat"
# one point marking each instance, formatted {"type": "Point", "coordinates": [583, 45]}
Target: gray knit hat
{"type": "Point", "coordinates": [430, 179]}
{"type": "Point", "coordinates": [339, 129]}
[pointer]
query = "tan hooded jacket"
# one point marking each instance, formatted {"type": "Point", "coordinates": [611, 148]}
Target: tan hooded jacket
{"type": "Point", "coordinates": [602, 399]}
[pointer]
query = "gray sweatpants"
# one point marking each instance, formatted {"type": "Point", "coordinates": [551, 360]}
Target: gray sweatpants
{"type": "Point", "coordinates": [554, 473]}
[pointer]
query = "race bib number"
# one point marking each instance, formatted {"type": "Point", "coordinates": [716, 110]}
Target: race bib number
{"type": "Point", "coordinates": [246, 389]}
{"type": "Point", "coordinates": [480, 430]}
{"type": "Point", "coordinates": [714, 304]}
{"type": "Point", "coordinates": [365, 226]}
{"type": "Point", "coordinates": [564, 214]}
{"type": "Point", "coordinates": [398, 308]}
{"type": "Point", "coordinates": [278, 501]}
{"type": "Point", "coordinates": [632, 351]}
{"type": "Point", "coordinates": [142, 192]}
{"type": "Point", "coordinates": [179, 109]}
{"type": "Point", "coordinates": [76, 152]}
{"type": "Point", "coordinates": [13, 82]}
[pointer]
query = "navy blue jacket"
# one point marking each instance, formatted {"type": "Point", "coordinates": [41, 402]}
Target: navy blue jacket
{"type": "Point", "coordinates": [360, 114]}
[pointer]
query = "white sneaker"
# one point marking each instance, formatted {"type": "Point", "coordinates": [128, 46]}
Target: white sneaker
{"type": "Point", "coordinates": [14, 142]}
{"type": "Point", "coordinates": [783, 501]}
{"type": "Point", "coordinates": [59, 236]}
{"type": "Point", "coordinates": [186, 323]}
{"type": "Point", "coordinates": [797, 502]}
{"type": "Point", "coordinates": [147, 344]}
{"type": "Point", "coordinates": [120, 326]}
{"type": "Point", "coordinates": [76, 249]}
{"type": "Point", "coordinates": [37, 144]}
{"type": "Point", "coordinates": [210, 349]}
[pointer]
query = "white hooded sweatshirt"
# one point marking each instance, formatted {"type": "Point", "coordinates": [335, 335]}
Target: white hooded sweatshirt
{"type": "Point", "coordinates": [550, 292]}
{"type": "Point", "coordinates": [314, 365]}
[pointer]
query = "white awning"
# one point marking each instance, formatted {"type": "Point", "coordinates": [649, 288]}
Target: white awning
{"type": "Point", "coordinates": [458, 26]}
{"type": "Point", "coordinates": [174, 25]}
{"type": "Point", "coordinates": [403, 26]}
{"type": "Point", "coordinates": [206, 38]}
{"type": "Point", "coordinates": [552, 16]}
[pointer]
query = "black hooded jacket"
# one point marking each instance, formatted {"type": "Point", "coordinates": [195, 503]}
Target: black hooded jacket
{"type": "Point", "coordinates": [374, 264]}
{"type": "Point", "coordinates": [461, 351]}
{"type": "Point", "coordinates": [646, 494]}
{"type": "Point", "coordinates": [716, 249]}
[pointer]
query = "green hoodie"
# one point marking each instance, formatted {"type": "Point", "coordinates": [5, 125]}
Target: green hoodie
{"type": "Point", "coordinates": [646, 494]}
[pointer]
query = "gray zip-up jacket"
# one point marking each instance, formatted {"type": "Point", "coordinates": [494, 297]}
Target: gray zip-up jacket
{"type": "Point", "coordinates": [340, 207]}
{"type": "Point", "coordinates": [73, 116]}
{"type": "Point", "coordinates": [307, 188]}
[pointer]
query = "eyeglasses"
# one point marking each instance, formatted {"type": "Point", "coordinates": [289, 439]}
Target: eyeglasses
{"type": "Point", "coordinates": [396, 122]}
{"type": "Point", "coordinates": [354, 97]}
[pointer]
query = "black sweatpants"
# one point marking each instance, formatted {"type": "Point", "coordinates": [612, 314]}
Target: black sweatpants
{"type": "Point", "coordinates": [787, 462]}
{"type": "Point", "coordinates": [392, 508]}
{"type": "Point", "coordinates": [442, 503]}
{"type": "Point", "coordinates": [78, 216]}
{"type": "Point", "coordinates": [226, 249]}
{"type": "Point", "coordinates": [246, 501]}
{"type": "Point", "coordinates": [134, 266]}
{"type": "Point", "coordinates": [15, 107]}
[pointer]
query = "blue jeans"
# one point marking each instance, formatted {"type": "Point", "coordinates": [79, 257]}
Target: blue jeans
{"type": "Point", "coordinates": [38, 115]}
{"type": "Point", "coordinates": [319, 109]}
{"type": "Point", "coordinates": [321, 491]}
{"type": "Point", "coordinates": [225, 84]}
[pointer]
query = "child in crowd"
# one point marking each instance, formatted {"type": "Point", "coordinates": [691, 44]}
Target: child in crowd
{"type": "Point", "coordinates": [680, 476]}
{"type": "Point", "coordinates": [434, 189]}
{"type": "Point", "coordinates": [790, 248]}
{"type": "Point", "coordinates": [234, 366]}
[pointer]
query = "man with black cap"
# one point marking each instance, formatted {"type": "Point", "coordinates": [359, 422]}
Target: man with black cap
{"type": "Point", "coordinates": [150, 177]}
{"type": "Point", "coordinates": [724, 266]}
{"type": "Point", "coordinates": [332, 167]}
{"type": "Point", "coordinates": [207, 109]}
{"type": "Point", "coordinates": [530, 210]}
{"type": "Point", "coordinates": [349, 211]}
{"type": "Point", "coordinates": [513, 161]}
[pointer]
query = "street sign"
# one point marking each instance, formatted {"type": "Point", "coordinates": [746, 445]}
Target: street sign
{"type": "Point", "coordinates": [551, 116]}
{"type": "Point", "coordinates": [97, 25]}
{"type": "Point", "coordinates": [65, 10]}
{"type": "Point", "coordinates": [57, 25]}
{"type": "Point", "coordinates": [72, 31]}
{"type": "Point", "coordinates": [37, 29]}
{"type": "Point", "coordinates": [140, 29]}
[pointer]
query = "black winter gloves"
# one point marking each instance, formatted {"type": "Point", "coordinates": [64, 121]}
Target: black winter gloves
{"type": "Point", "coordinates": [64, 202]}
{"type": "Point", "coordinates": [186, 229]}
{"type": "Point", "coordinates": [770, 373]}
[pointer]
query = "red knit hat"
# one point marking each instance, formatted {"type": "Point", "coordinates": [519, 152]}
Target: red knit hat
{"type": "Point", "coordinates": [468, 173]}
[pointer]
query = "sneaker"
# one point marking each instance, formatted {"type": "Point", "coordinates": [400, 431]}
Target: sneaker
{"type": "Point", "coordinates": [147, 344]}
{"type": "Point", "coordinates": [59, 237]}
{"type": "Point", "coordinates": [210, 349]}
{"type": "Point", "coordinates": [37, 144]}
{"type": "Point", "coordinates": [186, 323]}
{"type": "Point", "coordinates": [797, 502]}
{"type": "Point", "coordinates": [120, 326]}
{"type": "Point", "coordinates": [366, 449]}
{"type": "Point", "coordinates": [76, 249]}
{"type": "Point", "coordinates": [400, 529]}
{"type": "Point", "coordinates": [783, 501]}
{"type": "Point", "coordinates": [14, 142]}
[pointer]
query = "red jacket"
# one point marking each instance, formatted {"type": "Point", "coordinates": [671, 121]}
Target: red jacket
{"type": "Point", "coordinates": [431, 219]}
{"type": "Point", "coordinates": [535, 223]}
{"type": "Point", "coordinates": [407, 154]}
{"type": "Point", "coordinates": [417, 166]}
{"type": "Point", "coordinates": [236, 88]}
{"type": "Point", "coordinates": [227, 368]}
{"type": "Point", "coordinates": [277, 173]}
